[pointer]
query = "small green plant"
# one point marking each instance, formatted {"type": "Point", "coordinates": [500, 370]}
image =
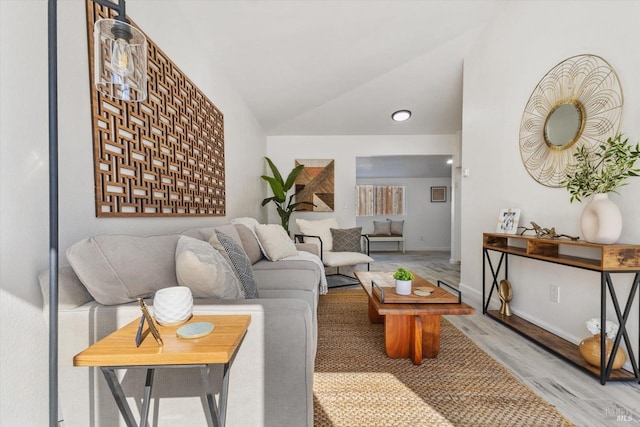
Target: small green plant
{"type": "Point", "coordinates": [602, 170]}
{"type": "Point", "coordinates": [403, 274]}
{"type": "Point", "coordinates": [280, 188]}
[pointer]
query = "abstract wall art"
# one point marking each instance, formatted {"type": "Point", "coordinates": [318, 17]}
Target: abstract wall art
{"type": "Point", "coordinates": [315, 184]}
{"type": "Point", "coordinates": [160, 157]}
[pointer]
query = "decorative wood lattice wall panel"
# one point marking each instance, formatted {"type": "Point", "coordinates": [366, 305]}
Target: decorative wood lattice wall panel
{"type": "Point", "coordinates": [160, 157]}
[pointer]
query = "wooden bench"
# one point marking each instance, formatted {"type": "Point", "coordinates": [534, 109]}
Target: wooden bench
{"type": "Point", "coordinates": [388, 238]}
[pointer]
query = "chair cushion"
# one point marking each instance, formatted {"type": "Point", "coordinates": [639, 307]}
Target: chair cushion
{"type": "Point", "coordinates": [346, 239]}
{"type": "Point", "coordinates": [320, 228]}
{"type": "Point", "coordinates": [241, 263]}
{"type": "Point", "coordinates": [381, 227]}
{"type": "Point", "coordinates": [275, 241]}
{"type": "Point", "coordinates": [201, 268]}
{"type": "Point", "coordinates": [339, 259]}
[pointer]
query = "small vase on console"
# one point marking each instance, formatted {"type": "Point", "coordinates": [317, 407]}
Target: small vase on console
{"type": "Point", "coordinates": [590, 350]}
{"type": "Point", "coordinates": [601, 220]}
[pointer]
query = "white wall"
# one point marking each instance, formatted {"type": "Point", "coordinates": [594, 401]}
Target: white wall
{"type": "Point", "coordinates": [427, 225]}
{"type": "Point", "coordinates": [523, 43]}
{"type": "Point", "coordinates": [24, 174]}
{"type": "Point", "coordinates": [283, 150]}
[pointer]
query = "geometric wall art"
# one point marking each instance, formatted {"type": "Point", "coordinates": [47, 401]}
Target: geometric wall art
{"type": "Point", "coordinates": [315, 184]}
{"type": "Point", "coordinates": [163, 156]}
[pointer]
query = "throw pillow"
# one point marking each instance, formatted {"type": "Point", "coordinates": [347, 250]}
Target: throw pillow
{"type": "Point", "coordinates": [249, 243]}
{"type": "Point", "coordinates": [318, 228]}
{"type": "Point", "coordinates": [397, 227]}
{"type": "Point", "coordinates": [275, 241]}
{"type": "Point", "coordinates": [240, 261]}
{"type": "Point", "coordinates": [203, 270]}
{"type": "Point", "coordinates": [347, 239]}
{"type": "Point", "coordinates": [382, 227]}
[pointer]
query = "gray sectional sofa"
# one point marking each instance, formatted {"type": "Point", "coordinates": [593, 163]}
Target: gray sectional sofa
{"type": "Point", "coordinates": [271, 380]}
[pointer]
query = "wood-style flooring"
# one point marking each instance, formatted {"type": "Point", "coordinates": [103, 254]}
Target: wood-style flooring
{"type": "Point", "coordinates": [578, 396]}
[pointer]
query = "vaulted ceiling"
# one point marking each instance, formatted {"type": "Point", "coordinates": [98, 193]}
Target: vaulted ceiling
{"type": "Point", "coordinates": [337, 67]}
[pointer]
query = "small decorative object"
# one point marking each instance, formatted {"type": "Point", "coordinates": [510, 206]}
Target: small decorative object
{"type": "Point", "coordinates": [508, 221]}
{"type": "Point", "coordinates": [173, 305]}
{"type": "Point", "coordinates": [195, 330]}
{"type": "Point", "coordinates": [590, 347]}
{"type": "Point", "coordinates": [438, 194]}
{"type": "Point", "coordinates": [152, 326]}
{"type": "Point", "coordinates": [546, 233]}
{"type": "Point", "coordinates": [505, 292]}
{"type": "Point", "coordinates": [600, 171]}
{"type": "Point", "coordinates": [280, 188]}
{"type": "Point", "coordinates": [403, 281]}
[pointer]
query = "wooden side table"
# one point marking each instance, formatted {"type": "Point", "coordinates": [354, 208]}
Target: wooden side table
{"type": "Point", "coordinates": [119, 351]}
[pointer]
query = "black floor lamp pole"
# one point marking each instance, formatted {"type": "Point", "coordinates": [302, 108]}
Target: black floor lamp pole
{"type": "Point", "coordinates": [53, 214]}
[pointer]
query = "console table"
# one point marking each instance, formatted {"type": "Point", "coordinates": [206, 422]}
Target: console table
{"type": "Point", "coordinates": [119, 351]}
{"type": "Point", "coordinates": [606, 260]}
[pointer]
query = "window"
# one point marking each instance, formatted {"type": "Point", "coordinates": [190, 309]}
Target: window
{"type": "Point", "coordinates": [380, 200]}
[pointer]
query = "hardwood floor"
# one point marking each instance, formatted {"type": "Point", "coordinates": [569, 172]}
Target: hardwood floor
{"type": "Point", "coordinates": [578, 396]}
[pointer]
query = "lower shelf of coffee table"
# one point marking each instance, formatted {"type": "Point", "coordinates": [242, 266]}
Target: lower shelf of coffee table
{"type": "Point", "coordinates": [556, 345]}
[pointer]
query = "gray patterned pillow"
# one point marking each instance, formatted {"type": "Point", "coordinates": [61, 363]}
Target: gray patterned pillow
{"type": "Point", "coordinates": [241, 263]}
{"type": "Point", "coordinates": [346, 239]}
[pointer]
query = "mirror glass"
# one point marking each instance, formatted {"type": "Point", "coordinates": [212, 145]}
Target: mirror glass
{"type": "Point", "coordinates": [563, 125]}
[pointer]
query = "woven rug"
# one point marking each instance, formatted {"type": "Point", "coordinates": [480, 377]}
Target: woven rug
{"type": "Point", "coordinates": [356, 384]}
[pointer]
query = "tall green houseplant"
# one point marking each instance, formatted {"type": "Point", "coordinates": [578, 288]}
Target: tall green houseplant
{"type": "Point", "coordinates": [280, 188]}
{"type": "Point", "coordinates": [602, 170]}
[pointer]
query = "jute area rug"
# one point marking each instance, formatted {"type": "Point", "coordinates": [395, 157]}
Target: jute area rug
{"type": "Point", "coordinates": [356, 384]}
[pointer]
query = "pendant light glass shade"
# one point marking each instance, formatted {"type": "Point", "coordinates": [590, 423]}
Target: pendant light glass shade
{"type": "Point", "coordinates": [120, 60]}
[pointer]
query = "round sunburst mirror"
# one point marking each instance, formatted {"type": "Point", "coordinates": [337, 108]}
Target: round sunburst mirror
{"type": "Point", "coordinates": [577, 103]}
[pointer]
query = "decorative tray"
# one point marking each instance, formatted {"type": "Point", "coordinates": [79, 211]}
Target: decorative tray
{"type": "Point", "coordinates": [436, 294]}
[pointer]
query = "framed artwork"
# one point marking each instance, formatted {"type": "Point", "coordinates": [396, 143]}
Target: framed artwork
{"type": "Point", "coordinates": [438, 194]}
{"type": "Point", "coordinates": [315, 184]}
{"type": "Point", "coordinates": [508, 221]}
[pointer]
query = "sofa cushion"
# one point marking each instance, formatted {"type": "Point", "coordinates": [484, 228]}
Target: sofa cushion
{"type": "Point", "coordinates": [381, 227]}
{"type": "Point", "coordinates": [346, 239]}
{"type": "Point", "coordinates": [275, 241]}
{"type": "Point", "coordinates": [241, 263]}
{"type": "Point", "coordinates": [320, 228]}
{"type": "Point", "coordinates": [250, 243]}
{"type": "Point", "coordinates": [117, 269]}
{"type": "Point", "coordinates": [202, 269]}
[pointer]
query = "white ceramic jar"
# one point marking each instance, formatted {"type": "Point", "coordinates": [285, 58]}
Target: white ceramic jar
{"type": "Point", "coordinates": [173, 305]}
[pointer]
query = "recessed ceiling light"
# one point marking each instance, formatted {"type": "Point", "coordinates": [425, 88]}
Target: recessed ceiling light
{"type": "Point", "coordinates": [401, 115]}
{"type": "Point", "coordinates": [450, 161]}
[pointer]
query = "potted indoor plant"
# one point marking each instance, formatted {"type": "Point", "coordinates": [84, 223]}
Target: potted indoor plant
{"type": "Point", "coordinates": [280, 188]}
{"type": "Point", "coordinates": [595, 174]}
{"type": "Point", "coordinates": [403, 281]}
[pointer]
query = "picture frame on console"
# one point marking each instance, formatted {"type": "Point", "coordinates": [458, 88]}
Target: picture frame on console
{"type": "Point", "coordinates": [508, 221]}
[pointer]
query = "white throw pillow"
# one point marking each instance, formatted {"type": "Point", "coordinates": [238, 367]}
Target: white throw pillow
{"type": "Point", "coordinates": [202, 269]}
{"type": "Point", "coordinates": [275, 241]}
{"type": "Point", "coordinates": [320, 228]}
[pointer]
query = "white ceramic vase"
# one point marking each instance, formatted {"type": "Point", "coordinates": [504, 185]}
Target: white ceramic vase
{"type": "Point", "coordinates": [403, 287]}
{"type": "Point", "coordinates": [173, 305]}
{"type": "Point", "coordinates": [601, 220]}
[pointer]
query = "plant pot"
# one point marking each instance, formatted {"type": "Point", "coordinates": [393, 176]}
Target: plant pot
{"type": "Point", "coordinates": [590, 350]}
{"type": "Point", "coordinates": [601, 220]}
{"type": "Point", "coordinates": [403, 287]}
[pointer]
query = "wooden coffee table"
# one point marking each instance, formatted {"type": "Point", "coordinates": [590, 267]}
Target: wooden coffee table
{"type": "Point", "coordinates": [410, 330]}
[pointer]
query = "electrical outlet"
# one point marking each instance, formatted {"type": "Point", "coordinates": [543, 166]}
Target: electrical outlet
{"type": "Point", "coordinates": [554, 293]}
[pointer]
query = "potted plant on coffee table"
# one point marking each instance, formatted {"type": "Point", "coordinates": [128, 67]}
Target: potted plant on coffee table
{"type": "Point", "coordinates": [403, 281]}
{"type": "Point", "coordinates": [596, 173]}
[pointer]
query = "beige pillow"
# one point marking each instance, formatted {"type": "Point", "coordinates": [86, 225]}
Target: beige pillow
{"type": "Point", "coordinates": [320, 228]}
{"type": "Point", "coordinates": [202, 269]}
{"type": "Point", "coordinates": [275, 241]}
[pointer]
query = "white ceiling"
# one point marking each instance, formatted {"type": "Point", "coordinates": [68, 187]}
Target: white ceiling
{"type": "Point", "coordinates": [337, 67]}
